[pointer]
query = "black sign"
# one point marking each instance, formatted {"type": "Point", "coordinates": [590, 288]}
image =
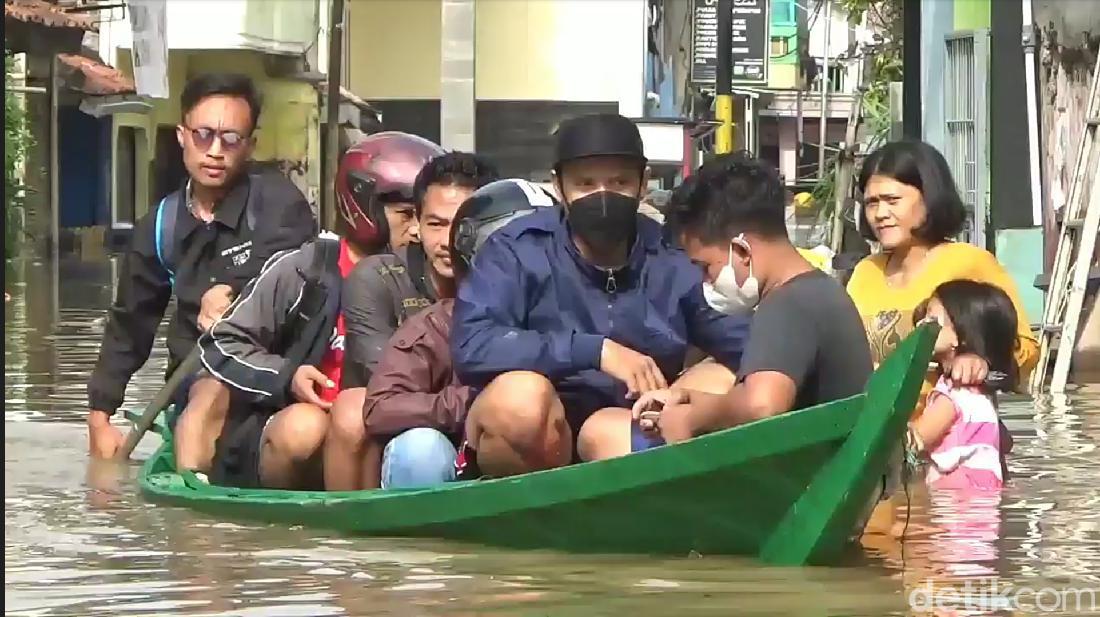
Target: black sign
{"type": "Point", "coordinates": [750, 42]}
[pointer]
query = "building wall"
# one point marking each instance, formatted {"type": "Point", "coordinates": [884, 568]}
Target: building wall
{"type": "Point", "coordinates": [937, 21]}
{"type": "Point", "coordinates": [279, 26]}
{"type": "Point", "coordinates": [1065, 72]}
{"type": "Point", "coordinates": [393, 49]}
{"type": "Point", "coordinates": [561, 50]}
{"type": "Point", "coordinates": [551, 50]}
{"type": "Point", "coordinates": [787, 24]}
{"type": "Point", "coordinates": [234, 35]}
{"type": "Point", "coordinates": [536, 62]}
{"type": "Point", "coordinates": [972, 14]}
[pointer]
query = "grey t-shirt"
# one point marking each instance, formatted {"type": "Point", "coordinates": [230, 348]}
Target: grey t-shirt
{"type": "Point", "coordinates": [809, 330]}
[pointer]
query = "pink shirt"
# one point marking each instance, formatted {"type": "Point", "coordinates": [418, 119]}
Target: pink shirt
{"type": "Point", "coordinates": [970, 454]}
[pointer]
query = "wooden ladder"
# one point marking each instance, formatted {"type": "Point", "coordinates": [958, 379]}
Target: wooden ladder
{"type": "Point", "coordinates": [1076, 245]}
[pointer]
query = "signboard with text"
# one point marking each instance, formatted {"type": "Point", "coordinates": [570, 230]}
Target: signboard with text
{"type": "Point", "coordinates": [751, 42]}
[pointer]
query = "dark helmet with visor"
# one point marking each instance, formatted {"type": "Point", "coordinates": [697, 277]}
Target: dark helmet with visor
{"type": "Point", "coordinates": [488, 209]}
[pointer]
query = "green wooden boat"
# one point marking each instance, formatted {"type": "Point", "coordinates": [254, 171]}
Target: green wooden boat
{"type": "Point", "coordinates": [788, 490]}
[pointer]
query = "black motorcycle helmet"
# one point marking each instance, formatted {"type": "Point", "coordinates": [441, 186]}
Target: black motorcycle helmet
{"type": "Point", "coordinates": [488, 209]}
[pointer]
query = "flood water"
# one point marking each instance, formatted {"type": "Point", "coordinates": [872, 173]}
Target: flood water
{"type": "Point", "coordinates": [80, 540]}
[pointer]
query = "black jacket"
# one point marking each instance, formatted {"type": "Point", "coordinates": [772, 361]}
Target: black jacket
{"type": "Point", "coordinates": [262, 338]}
{"type": "Point", "coordinates": [227, 250]}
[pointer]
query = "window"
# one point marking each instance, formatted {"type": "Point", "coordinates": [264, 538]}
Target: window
{"type": "Point", "coordinates": [837, 75]}
{"type": "Point", "coordinates": [836, 78]}
{"type": "Point", "coordinates": [964, 114]}
{"type": "Point", "coordinates": [779, 46]}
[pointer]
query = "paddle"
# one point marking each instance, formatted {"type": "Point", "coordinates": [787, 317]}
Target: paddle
{"type": "Point", "coordinates": [159, 402]}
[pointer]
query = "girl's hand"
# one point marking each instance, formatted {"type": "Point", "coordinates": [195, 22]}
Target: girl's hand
{"type": "Point", "coordinates": [969, 370]}
{"type": "Point", "coordinates": [913, 441]}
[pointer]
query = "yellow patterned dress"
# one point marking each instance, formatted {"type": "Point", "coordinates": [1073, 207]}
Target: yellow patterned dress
{"type": "Point", "coordinates": [887, 311]}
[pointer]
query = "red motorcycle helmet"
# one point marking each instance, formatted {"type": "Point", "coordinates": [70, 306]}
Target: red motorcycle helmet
{"type": "Point", "coordinates": [378, 170]}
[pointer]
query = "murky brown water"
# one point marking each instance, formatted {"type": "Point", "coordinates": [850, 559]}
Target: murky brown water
{"type": "Point", "coordinates": [71, 549]}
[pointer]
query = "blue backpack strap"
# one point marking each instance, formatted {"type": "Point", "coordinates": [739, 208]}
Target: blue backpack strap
{"type": "Point", "coordinates": [167, 213]}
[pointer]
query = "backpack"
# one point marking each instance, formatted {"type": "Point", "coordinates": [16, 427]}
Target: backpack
{"type": "Point", "coordinates": [165, 228]}
{"type": "Point", "coordinates": [307, 328]}
{"type": "Point", "coordinates": [305, 323]}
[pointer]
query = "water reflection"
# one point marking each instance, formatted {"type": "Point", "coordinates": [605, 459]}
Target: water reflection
{"type": "Point", "coordinates": [81, 541]}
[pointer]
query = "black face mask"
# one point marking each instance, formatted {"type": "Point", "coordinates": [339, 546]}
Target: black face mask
{"type": "Point", "coordinates": [604, 219]}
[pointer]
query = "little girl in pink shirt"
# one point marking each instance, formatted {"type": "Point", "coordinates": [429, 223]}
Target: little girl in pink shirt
{"type": "Point", "coordinates": [959, 432]}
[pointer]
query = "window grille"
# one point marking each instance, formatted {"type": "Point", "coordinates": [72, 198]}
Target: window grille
{"type": "Point", "coordinates": [965, 114]}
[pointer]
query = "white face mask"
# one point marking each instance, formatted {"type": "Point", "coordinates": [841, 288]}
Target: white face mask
{"type": "Point", "coordinates": [725, 295]}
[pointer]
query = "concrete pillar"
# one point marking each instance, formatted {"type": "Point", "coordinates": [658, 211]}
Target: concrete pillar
{"type": "Point", "coordinates": [788, 148]}
{"type": "Point", "coordinates": [457, 98]}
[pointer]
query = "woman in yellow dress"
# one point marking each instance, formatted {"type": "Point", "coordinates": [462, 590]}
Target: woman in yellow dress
{"type": "Point", "coordinates": [912, 209]}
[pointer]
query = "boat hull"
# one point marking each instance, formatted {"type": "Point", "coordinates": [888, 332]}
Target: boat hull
{"type": "Point", "coordinates": [789, 489]}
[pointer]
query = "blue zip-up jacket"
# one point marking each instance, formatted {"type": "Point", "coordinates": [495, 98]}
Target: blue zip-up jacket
{"type": "Point", "coordinates": [532, 303]}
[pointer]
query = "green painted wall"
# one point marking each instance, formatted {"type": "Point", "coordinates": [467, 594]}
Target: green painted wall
{"type": "Point", "coordinates": [972, 14]}
{"type": "Point", "coordinates": [1020, 251]}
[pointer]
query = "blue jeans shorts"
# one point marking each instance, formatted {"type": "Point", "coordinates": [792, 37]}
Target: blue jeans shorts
{"type": "Point", "coordinates": [418, 458]}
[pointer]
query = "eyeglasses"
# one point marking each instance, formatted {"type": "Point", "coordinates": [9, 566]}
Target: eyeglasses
{"type": "Point", "coordinates": [204, 138]}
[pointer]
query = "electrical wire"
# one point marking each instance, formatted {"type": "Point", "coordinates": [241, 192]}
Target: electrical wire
{"type": "Point", "coordinates": [908, 510]}
{"type": "Point", "coordinates": [817, 13]}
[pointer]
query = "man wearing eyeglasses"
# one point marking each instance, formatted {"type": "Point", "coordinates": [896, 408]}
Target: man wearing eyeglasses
{"type": "Point", "coordinates": [202, 243]}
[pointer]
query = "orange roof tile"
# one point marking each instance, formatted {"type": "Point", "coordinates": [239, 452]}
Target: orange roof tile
{"type": "Point", "coordinates": [95, 78]}
{"type": "Point", "coordinates": [47, 14]}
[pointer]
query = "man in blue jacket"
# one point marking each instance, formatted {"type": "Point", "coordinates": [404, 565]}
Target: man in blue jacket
{"type": "Point", "coordinates": [581, 308]}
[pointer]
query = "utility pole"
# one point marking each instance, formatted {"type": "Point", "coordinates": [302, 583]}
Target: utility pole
{"type": "Point", "coordinates": [327, 210]}
{"type": "Point", "coordinates": [1030, 42]}
{"type": "Point", "coordinates": [823, 118]}
{"type": "Point", "coordinates": [723, 79]}
{"type": "Point", "coordinates": [846, 160]}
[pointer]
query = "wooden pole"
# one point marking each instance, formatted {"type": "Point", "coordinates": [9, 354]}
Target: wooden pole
{"type": "Point", "coordinates": [327, 214]}
{"type": "Point", "coordinates": [723, 79]}
{"type": "Point", "coordinates": [55, 189]}
{"type": "Point", "coordinates": [159, 402]}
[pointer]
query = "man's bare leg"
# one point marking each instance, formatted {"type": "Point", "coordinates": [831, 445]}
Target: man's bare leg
{"type": "Point", "coordinates": [290, 448]}
{"type": "Point", "coordinates": [517, 424]}
{"type": "Point", "coordinates": [200, 424]}
{"type": "Point", "coordinates": [346, 442]}
{"type": "Point", "coordinates": [372, 464]}
{"type": "Point", "coordinates": [706, 376]}
{"type": "Point", "coordinates": [606, 433]}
